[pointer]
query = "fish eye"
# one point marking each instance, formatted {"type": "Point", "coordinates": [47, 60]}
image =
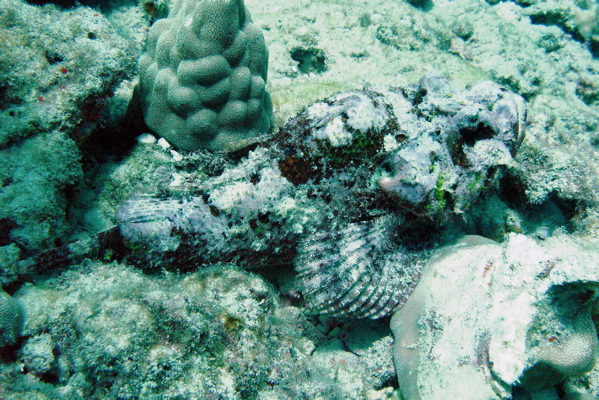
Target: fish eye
{"type": "Point", "coordinates": [387, 167]}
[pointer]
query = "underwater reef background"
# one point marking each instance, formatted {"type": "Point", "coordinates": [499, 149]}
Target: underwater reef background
{"type": "Point", "coordinates": [109, 327]}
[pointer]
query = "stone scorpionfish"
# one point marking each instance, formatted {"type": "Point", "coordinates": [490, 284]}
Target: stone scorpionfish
{"type": "Point", "coordinates": [351, 192]}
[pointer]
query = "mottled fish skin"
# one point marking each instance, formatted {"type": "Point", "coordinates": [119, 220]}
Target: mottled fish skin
{"type": "Point", "coordinates": [351, 192]}
{"type": "Point", "coordinates": [344, 191]}
{"type": "Point", "coordinates": [255, 213]}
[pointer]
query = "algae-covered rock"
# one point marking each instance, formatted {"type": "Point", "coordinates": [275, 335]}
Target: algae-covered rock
{"type": "Point", "coordinates": [142, 336]}
{"type": "Point", "coordinates": [58, 70]}
{"type": "Point", "coordinates": [9, 256]}
{"type": "Point", "coordinates": [41, 175]}
{"type": "Point", "coordinates": [11, 319]}
{"type": "Point", "coordinates": [107, 331]}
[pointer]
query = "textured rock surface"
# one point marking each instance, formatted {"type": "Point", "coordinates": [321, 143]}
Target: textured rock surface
{"type": "Point", "coordinates": [57, 69]}
{"type": "Point", "coordinates": [108, 331]}
{"type": "Point", "coordinates": [524, 317]}
{"type": "Point", "coordinates": [11, 319]}
{"type": "Point", "coordinates": [57, 72]}
{"type": "Point", "coordinates": [203, 76]}
{"type": "Point", "coordinates": [9, 258]}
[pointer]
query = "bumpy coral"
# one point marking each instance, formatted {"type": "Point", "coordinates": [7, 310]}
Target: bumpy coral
{"type": "Point", "coordinates": [203, 77]}
{"type": "Point", "coordinates": [312, 194]}
{"type": "Point", "coordinates": [567, 314]}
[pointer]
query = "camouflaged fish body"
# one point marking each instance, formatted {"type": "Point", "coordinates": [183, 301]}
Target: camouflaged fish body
{"type": "Point", "coordinates": [350, 192]}
{"type": "Point", "coordinates": [257, 211]}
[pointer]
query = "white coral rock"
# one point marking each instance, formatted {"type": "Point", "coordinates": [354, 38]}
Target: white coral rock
{"type": "Point", "coordinates": [488, 317]}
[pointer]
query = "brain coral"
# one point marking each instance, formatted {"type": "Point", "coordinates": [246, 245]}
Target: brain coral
{"type": "Point", "coordinates": [203, 76]}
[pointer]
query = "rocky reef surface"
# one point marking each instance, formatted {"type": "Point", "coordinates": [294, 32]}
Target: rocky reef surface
{"type": "Point", "coordinates": [111, 327]}
{"type": "Point", "coordinates": [218, 333]}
